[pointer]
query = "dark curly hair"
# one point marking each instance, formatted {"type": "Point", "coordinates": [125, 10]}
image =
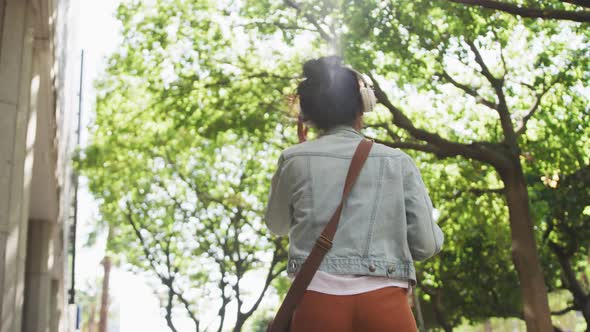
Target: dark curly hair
{"type": "Point", "coordinates": [329, 95]}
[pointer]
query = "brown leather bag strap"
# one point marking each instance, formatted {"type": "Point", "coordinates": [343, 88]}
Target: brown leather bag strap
{"type": "Point", "coordinates": [322, 246]}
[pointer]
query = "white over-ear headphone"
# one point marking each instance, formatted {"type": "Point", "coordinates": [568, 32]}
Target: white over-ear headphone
{"type": "Point", "coordinates": [366, 90]}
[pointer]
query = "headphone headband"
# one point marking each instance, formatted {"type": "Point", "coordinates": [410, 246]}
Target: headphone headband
{"type": "Point", "coordinates": [362, 77]}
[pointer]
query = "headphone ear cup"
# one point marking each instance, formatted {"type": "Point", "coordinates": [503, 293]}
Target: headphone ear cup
{"type": "Point", "coordinates": [368, 98]}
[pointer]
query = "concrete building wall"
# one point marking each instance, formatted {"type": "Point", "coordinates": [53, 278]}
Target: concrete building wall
{"type": "Point", "coordinates": [17, 128]}
{"type": "Point", "coordinates": [36, 141]}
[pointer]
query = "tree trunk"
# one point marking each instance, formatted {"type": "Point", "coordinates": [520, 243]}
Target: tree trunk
{"type": "Point", "coordinates": [222, 315]}
{"type": "Point", "coordinates": [524, 252]}
{"type": "Point", "coordinates": [240, 323]}
{"type": "Point", "coordinates": [439, 314]}
{"type": "Point", "coordinates": [104, 305]}
{"type": "Point", "coordinates": [169, 306]}
{"type": "Point", "coordinates": [91, 325]}
{"type": "Point", "coordinates": [581, 298]}
{"type": "Point", "coordinates": [586, 313]}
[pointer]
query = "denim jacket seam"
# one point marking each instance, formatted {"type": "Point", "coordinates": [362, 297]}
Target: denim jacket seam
{"type": "Point", "coordinates": [310, 177]}
{"type": "Point", "coordinates": [404, 269]}
{"type": "Point", "coordinates": [358, 259]}
{"type": "Point", "coordinates": [375, 200]}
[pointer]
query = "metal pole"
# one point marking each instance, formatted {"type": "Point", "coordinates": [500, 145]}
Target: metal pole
{"type": "Point", "coordinates": [72, 291]}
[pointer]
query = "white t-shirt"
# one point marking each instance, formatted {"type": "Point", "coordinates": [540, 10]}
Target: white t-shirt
{"type": "Point", "coordinates": [346, 284]}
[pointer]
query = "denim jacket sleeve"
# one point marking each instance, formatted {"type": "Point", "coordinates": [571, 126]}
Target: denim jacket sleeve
{"type": "Point", "coordinates": [425, 238]}
{"type": "Point", "coordinates": [278, 210]}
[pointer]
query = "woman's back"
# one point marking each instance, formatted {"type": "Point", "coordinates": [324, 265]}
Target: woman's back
{"type": "Point", "coordinates": [386, 222]}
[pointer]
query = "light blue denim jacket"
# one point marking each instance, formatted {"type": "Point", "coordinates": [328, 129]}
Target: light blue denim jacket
{"type": "Point", "coordinates": [386, 223]}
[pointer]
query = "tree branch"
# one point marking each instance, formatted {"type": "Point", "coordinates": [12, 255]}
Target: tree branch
{"type": "Point", "coordinates": [186, 304]}
{"type": "Point", "coordinates": [582, 3]}
{"type": "Point", "coordinates": [484, 68]}
{"type": "Point", "coordinates": [166, 280]}
{"type": "Point", "coordinates": [483, 191]}
{"type": "Point", "coordinates": [311, 20]}
{"type": "Point", "coordinates": [200, 194]}
{"type": "Point", "coordinates": [527, 85]}
{"type": "Point", "coordinates": [171, 286]}
{"type": "Point", "coordinates": [387, 128]}
{"type": "Point", "coordinates": [429, 148]}
{"type": "Point", "coordinates": [502, 58]}
{"type": "Point", "coordinates": [531, 112]}
{"type": "Point", "coordinates": [470, 91]}
{"type": "Point", "coordinates": [169, 306]}
{"type": "Point", "coordinates": [182, 299]}
{"type": "Point", "coordinates": [572, 283]}
{"type": "Point", "coordinates": [277, 257]}
{"type": "Point", "coordinates": [238, 263]}
{"type": "Point", "coordinates": [443, 148]}
{"type": "Point", "coordinates": [224, 299]}
{"type": "Point", "coordinates": [576, 16]}
{"type": "Point", "coordinates": [502, 107]}
{"type": "Point", "coordinates": [144, 246]}
{"type": "Point", "coordinates": [276, 24]}
{"type": "Point", "coordinates": [225, 81]}
{"type": "Point", "coordinates": [535, 106]}
{"type": "Point", "coordinates": [563, 311]}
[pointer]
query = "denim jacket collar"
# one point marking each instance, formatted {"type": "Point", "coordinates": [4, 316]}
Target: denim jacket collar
{"type": "Point", "coordinates": [341, 129]}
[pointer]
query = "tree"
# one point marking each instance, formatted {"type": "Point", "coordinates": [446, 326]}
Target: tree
{"type": "Point", "coordinates": [469, 69]}
{"type": "Point", "coordinates": [558, 197]}
{"type": "Point", "coordinates": [459, 280]}
{"type": "Point", "coordinates": [558, 176]}
{"type": "Point", "coordinates": [180, 184]}
{"type": "Point", "coordinates": [473, 278]}
{"type": "Point", "coordinates": [190, 216]}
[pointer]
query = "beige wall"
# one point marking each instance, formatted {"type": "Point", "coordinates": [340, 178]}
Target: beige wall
{"type": "Point", "coordinates": [17, 131]}
{"type": "Point", "coordinates": [2, 4]}
{"type": "Point", "coordinates": [38, 304]}
{"type": "Point", "coordinates": [35, 149]}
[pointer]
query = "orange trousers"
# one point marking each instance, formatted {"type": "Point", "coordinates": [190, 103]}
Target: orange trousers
{"type": "Point", "coordinates": [382, 310]}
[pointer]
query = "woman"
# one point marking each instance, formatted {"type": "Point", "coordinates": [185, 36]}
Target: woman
{"type": "Point", "coordinates": [385, 225]}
